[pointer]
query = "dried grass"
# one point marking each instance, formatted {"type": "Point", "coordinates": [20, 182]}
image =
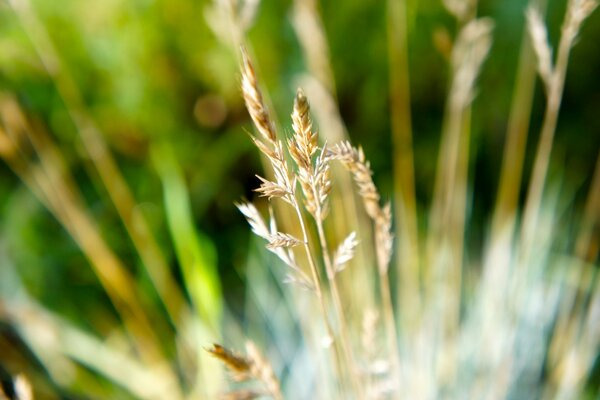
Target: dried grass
{"type": "Point", "coordinates": [427, 357]}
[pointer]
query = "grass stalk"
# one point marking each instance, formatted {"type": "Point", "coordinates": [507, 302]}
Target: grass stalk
{"type": "Point", "coordinates": [407, 254]}
{"type": "Point", "coordinates": [516, 136]}
{"type": "Point", "coordinates": [577, 11]}
{"type": "Point", "coordinates": [321, 88]}
{"type": "Point", "coordinates": [319, 291]}
{"type": "Point", "coordinates": [344, 332]}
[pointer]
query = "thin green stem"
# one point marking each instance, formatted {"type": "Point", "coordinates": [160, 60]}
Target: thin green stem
{"type": "Point", "coordinates": [407, 255]}
{"type": "Point", "coordinates": [516, 137]}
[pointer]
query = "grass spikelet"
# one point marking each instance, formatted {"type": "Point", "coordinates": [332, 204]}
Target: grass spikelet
{"type": "Point", "coordinates": [254, 101]}
{"type": "Point", "coordinates": [252, 366]}
{"type": "Point", "coordinates": [304, 144]}
{"type": "Point", "coordinates": [345, 252]}
{"type": "Point", "coordinates": [283, 187]}
{"type": "Point", "coordinates": [282, 240]}
{"type": "Point", "coordinates": [539, 39]}
{"type": "Point", "coordinates": [471, 49]}
{"type": "Point", "coordinates": [276, 243]}
{"type": "Point", "coordinates": [313, 176]}
{"type": "Point", "coordinates": [239, 366]}
{"type": "Point", "coordinates": [354, 160]}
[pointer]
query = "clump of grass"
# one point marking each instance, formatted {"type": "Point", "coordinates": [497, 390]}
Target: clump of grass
{"type": "Point", "coordinates": [520, 321]}
{"type": "Point", "coordinates": [462, 338]}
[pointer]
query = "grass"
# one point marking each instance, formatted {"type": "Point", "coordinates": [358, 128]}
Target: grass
{"type": "Point", "coordinates": [456, 338]}
{"type": "Point", "coordinates": [356, 297]}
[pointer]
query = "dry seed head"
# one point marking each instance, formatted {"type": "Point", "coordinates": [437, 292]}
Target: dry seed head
{"type": "Point", "coordinates": [354, 160]}
{"type": "Point", "coordinates": [577, 12]}
{"type": "Point", "coordinates": [539, 39]}
{"type": "Point", "coordinates": [254, 101]}
{"type": "Point", "coordinates": [271, 189]}
{"type": "Point", "coordinates": [305, 141]}
{"type": "Point", "coordinates": [280, 239]}
{"type": "Point", "coordinates": [244, 368]}
{"type": "Point", "coordinates": [461, 9]}
{"type": "Point", "coordinates": [300, 280]}
{"type": "Point", "coordinates": [313, 176]}
{"type": "Point", "coordinates": [345, 252]}
{"type": "Point", "coordinates": [322, 181]}
{"type": "Point", "coordinates": [238, 365]}
{"type": "Point", "coordinates": [254, 219]}
{"type": "Point", "coordinates": [283, 187]}
{"type": "Point", "coordinates": [259, 227]}
{"type": "Point", "coordinates": [471, 49]}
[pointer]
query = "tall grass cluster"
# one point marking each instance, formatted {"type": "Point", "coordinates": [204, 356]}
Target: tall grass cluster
{"type": "Point", "coordinates": [348, 294]}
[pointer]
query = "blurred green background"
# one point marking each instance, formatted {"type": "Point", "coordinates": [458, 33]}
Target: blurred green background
{"type": "Point", "coordinates": [162, 85]}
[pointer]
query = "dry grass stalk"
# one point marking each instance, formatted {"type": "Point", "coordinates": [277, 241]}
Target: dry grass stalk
{"type": "Point", "coordinates": [354, 160]}
{"type": "Point", "coordinates": [316, 185]}
{"type": "Point", "coordinates": [505, 210]}
{"type": "Point", "coordinates": [577, 12]}
{"type": "Point", "coordinates": [320, 85]}
{"type": "Point", "coordinates": [284, 187]}
{"type": "Point", "coordinates": [308, 26]}
{"type": "Point", "coordinates": [448, 207]}
{"type": "Point", "coordinates": [405, 203]}
{"type": "Point", "coordinates": [313, 176]}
